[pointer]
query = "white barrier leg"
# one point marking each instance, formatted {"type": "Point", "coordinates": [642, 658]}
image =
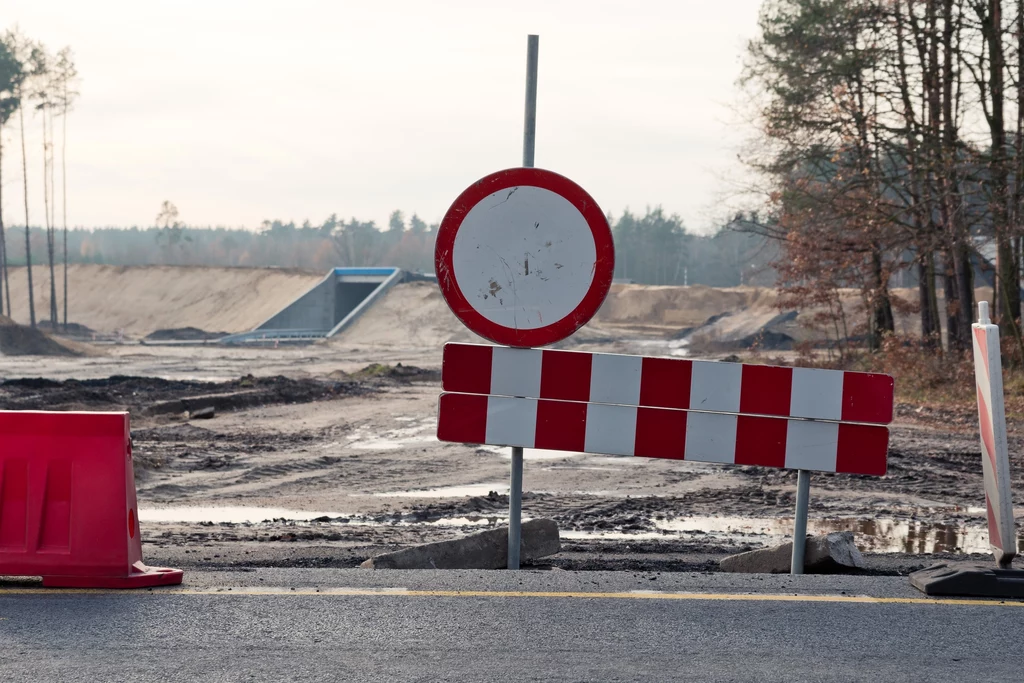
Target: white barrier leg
{"type": "Point", "coordinates": [803, 492]}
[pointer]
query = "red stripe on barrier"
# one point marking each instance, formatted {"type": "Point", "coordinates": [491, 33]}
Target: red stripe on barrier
{"type": "Point", "coordinates": [994, 532]}
{"type": "Point", "coordinates": [466, 368]}
{"type": "Point", "coordinates": [987, 436]}
{"type": "Point", "coordinates": [462, 418]}
{"type": "Point", "coordinates": [862, 449]}
{"type": "Point", "coordinates": [867, 397]}
{"type": "Point", "coordinates": [760, 441]}
{"type": "Point", "coordinates": [565, 375]}
{"type": "Point", "coordinates": [561, 425]}
{"type": "Point", "coordinates": [981, 336]}
{"type": "Point", "coordinates": [665, 383]}
{"type": "Point", "coordinates": [660, 433]}
{"type": "Point", "coordinates": [766, 390]}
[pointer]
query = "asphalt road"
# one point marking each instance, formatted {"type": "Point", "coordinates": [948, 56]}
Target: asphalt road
{"type": "Point", "coordinates": [359, 625]}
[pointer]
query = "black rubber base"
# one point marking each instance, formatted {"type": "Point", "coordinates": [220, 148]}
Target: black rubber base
{"type": "Point", "coordinates": [970, 579]}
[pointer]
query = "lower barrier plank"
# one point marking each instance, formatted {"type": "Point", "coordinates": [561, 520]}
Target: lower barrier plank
{"type": "Point", "coordinates": [663, 433]}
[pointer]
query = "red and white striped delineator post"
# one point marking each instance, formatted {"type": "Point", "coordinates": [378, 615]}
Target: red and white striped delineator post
{"type": "Point", "coordinates": [995, 461]}
{"type": "Point", "coordinates": [976, 579]}
{"type": "Point", "coordinates": [701, 411]}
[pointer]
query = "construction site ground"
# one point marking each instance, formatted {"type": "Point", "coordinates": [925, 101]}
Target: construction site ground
{"type": "Point", "coordinates": [325, 454]}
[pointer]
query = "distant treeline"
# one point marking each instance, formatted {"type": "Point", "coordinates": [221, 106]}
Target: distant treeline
{"type": "Point", "coordinates": [653, 248]}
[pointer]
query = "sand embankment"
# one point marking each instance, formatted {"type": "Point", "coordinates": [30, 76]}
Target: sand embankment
{"type": "Point", "coordinates": [142, 299]}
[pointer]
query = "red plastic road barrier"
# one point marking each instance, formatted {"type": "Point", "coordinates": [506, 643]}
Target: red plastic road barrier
{"type": "Point", "coordinates": [67, 502]}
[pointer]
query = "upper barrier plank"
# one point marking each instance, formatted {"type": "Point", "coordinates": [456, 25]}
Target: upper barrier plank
{"type": "Point", "coordinates": [805, 393]}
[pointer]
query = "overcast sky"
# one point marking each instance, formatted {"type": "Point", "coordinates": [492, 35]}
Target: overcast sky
{"type": "Point", "coordinates": [239, 111]}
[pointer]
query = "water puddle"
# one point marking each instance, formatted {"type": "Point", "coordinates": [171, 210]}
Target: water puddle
{"type": "Point", "coordinates": [529, 453]}
{"type": "Point", "coordinates": [677, 348]}
{"type": "Point", "coordinates": [501, 488]}
{"type": "Point", "coordinates": [262, 515]}
{"type": "Point", "coordinates": [872, 535]}
{"type": "Point", "coordinates": [574, 468]}
{"type": "Point", "coordinates": [228, 515]}
{"type": "Point", "coordinates": [395, 439]}
{"type": "Point", "coordinates": [613, 461]}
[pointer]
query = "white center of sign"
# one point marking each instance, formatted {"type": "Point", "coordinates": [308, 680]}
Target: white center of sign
{"type": "Point", "coordinates": [524, 257]}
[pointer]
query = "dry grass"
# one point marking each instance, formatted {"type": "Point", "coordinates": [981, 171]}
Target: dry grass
{"type": "Point", "coordinates": [931, 381]}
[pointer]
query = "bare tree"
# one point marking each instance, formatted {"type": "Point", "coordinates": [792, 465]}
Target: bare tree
{"type": "Point", "coordinates": [65, 73]}
{"type": "Point", "coordinates": [11, 75]}
{"type": "Point", "coordinates": [29, 54]}
{"type": "Point", "coordinates": [44, 94]}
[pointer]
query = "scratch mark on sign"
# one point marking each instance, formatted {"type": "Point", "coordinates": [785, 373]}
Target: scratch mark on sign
{"type": "Point", "coordinates": [507, 197]}
{"type": "Point", "coordinates": [512, 283]}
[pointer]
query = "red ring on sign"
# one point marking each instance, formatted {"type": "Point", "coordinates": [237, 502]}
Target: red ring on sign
{"type": "Point", "coordinates": [604, 265]}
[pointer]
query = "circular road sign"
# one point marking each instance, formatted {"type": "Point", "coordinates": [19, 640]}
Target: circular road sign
{"type": "Point", "coordinates": [524, 257]}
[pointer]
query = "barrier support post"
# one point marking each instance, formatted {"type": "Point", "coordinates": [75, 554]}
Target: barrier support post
{"type": "Point", "coordinates": [515, 508]}
{"type": "Point", "coordinates": [803, 493]}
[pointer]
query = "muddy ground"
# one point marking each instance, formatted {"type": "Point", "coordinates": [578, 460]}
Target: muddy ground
{"type": "Point", "coordinates": [316, 456]}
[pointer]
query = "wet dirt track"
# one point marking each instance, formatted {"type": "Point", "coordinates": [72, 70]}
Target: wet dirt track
{"type": "Point", "coordinates": [349, 465]}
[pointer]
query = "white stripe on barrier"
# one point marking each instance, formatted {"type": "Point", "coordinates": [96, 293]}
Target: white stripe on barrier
{"type": "Point", "coordinates": [817, 394]}
{"type": "Point", "coordinates": [615, 379]}
{"type": "Point", "coordinates": [812, 445]}
{"type": "Point", "coordinates": [516, 372]}
{"type": "Point", "coordinates": [610, 429]}
{"type": "Point", "coordinates": [716, 387]}
{"type": "Point", "coordinates": [511, 422]}
{"type": "Point", "coordinates": [711, 437]}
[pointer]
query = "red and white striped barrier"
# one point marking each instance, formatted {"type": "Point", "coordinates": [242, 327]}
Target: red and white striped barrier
{"type": "Point", "coordinates": [663, 433]}
{"type": "Point", "coordinates": [704, 411]}
{"type": "Point", "coordinates": [988, 372]}
{"type": "Point", "coordinates": [669, 383]}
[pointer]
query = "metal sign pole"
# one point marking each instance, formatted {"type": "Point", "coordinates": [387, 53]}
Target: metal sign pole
{"type": "Point", "coordinates": [515, 494]}
{"type": "Point", "coordinates": [515, 508]}
{"type": "Point", "coordinates": [803, 493]}
{"type": "Point", "coordinates": [530, 121]}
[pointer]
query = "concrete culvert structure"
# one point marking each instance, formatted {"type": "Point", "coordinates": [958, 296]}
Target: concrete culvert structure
{"type": "Point", "coordinates": [328, 308]}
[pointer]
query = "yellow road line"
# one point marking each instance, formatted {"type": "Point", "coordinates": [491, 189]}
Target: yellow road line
{"type": "Point", "coordinates": [402, 592]}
